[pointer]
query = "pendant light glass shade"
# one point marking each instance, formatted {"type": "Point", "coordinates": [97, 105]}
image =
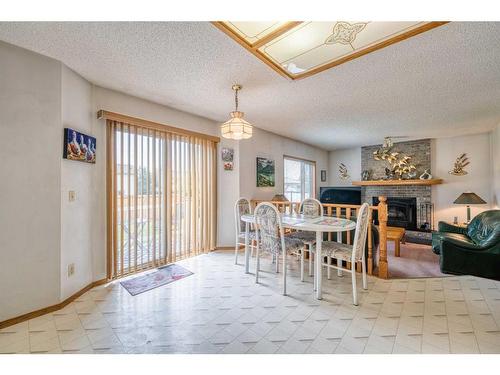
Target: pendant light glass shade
{"type": "Point", "coordinates": [236, 127]}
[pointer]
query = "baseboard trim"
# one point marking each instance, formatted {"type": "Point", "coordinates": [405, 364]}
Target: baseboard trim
{"type": "Point", "coordinates": [224, 248]}
{"type": "Point", "coordinates": [49, 309]}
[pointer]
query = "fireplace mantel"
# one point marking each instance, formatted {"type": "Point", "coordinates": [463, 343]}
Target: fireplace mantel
{"type": "Point", "coordinates": [434, 181]}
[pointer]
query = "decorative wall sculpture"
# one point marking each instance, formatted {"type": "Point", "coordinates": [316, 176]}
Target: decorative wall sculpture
{"type": "Point", "coordinates": [343, 171]}
{"type": "Point", "coordinates": [458, 168]}
{"type": "Point", "coordinates": [400, 164]}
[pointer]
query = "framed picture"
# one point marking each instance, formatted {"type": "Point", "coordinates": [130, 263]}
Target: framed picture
{"type": "Point", "coordinates": [323, 175]}
{"type": "Point", "coordinates": [227, 158]}
{"type": "Point", "coordinates": [265, 172]}
{"type": "Point", "coordinates": [79, 146]}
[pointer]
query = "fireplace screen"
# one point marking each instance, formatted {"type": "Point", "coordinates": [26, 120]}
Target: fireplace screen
{"type": "Point", "coordinates": [404, 213]}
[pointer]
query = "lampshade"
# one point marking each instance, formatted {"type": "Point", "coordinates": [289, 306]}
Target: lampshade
{"type": "Point", "coordinates": [469, 198]}
{"type": "Point", "coordinates": [279, 198]}
{"type": "Point", "coordinates": [237, 127]}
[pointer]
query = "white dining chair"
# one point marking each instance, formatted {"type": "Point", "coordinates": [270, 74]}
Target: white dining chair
{"type": "Point", "coordinates": [242, 207]}
{"type": "Point", "coordinates": [308, 207]}
{"type": "Point", "coordinates": [270, 238]}
{"type": "Point", "coordinates": [350, 253]}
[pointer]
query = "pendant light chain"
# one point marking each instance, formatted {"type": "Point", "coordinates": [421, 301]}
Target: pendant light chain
{"type": "Point", "coordinates": [236, 98]}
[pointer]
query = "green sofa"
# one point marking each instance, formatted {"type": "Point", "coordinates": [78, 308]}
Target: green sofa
{"type": "Point", "coordinates": [471, 250]}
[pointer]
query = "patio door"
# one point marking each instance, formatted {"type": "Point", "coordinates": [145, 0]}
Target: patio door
{"type": "Point", "coordinates": [161, 197]}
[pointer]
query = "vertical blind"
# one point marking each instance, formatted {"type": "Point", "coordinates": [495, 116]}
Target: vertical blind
{"type": "Point", "coordinates": [161, 197]}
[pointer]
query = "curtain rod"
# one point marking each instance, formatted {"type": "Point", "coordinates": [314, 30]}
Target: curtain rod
{"type": "Point", "coordinates": [102, 114]}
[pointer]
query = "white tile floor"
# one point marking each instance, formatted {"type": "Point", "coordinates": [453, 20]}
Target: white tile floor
{"type": "Point", "coordinates": [219, 309]}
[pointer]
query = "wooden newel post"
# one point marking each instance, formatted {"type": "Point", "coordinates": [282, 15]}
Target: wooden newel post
{"type": "Point", "coordinates": [370, 243]}
{"type": "Point", "coordinates": [383, 267]}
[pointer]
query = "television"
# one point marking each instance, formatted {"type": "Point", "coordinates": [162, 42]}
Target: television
{"type": "Point", "coordinates": [340, 195]}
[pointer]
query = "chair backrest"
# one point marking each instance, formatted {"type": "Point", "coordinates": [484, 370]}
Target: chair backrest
{"type": "Point", "coordinates": [311, 207]}
{"type": "Point", "coordinates": [241, 207]}
{"type": "Point", "coordinates": [269, 228]}
{"type": "Point", "coordinates": [361, 232]}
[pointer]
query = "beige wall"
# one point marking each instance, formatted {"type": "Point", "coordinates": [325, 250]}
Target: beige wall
{"type": "Point", "coordinates": [30, 170]}
{"type": "Point", "coordinates": [495, 157]}
{"type": "Point", "coordinates": [478, 180]}
{"type": "Point", "coordinates": [351, 157]}
{"type": "Point", "coordinates": [78, 227]}
{"type": "Point", "coordinates": [273, 146]}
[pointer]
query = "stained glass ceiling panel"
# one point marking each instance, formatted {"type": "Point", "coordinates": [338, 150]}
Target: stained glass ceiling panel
{"type": "Point", "coordinates": [252, 32]}
{"type": "Point", "coordinates": [300, 49]}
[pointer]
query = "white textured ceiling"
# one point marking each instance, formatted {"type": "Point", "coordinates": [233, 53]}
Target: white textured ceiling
{"type": "Point", "coordinates": [442, 82]}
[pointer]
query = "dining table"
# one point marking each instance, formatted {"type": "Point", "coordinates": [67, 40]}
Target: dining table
{"type": "Point", "coordinates": [317, 224]}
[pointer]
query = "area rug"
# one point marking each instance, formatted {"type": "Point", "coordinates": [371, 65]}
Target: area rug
{"type": "Point", "coordinates": [162, 276]}
{"type": "Point", "coordinates": [416, 261]}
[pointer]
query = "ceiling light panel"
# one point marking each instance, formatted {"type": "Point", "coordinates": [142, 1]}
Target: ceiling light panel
{"type": "Point", "coordinates": [301, 49]}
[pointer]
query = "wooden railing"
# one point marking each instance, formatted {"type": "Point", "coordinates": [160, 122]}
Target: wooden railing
{"type": "Point", "coordinates": [350, 211]}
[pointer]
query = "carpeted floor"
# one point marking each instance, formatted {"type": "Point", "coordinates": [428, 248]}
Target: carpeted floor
{"type": "Point", "coordinates": [415, 261]}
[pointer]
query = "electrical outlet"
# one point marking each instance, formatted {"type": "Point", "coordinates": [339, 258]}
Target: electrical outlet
{"type": "Point", "coordinates": [71, 269]}
{"type": "Point", "coordinates": [72, 195]}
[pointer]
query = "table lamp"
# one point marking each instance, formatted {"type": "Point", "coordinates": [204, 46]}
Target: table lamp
{"type": "Point", "coordinates": [468, 199]}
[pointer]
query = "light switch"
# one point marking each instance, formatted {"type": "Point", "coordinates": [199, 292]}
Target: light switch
{"type": "Point", "coordinates": [71, 269]}
{"type": "Point", "coordinates": [72, 195]}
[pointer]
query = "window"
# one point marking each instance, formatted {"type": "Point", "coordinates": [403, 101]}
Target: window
{"type": "Point", "coordinates": [299, 179]}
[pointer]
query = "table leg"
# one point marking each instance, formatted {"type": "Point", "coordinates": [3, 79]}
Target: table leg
{"type": "Point", "coordinates": [247, 252]}
{"type": "Point", "coordinates": [318, 259]}
{"type": "Point", "coordinates": [397, 248]}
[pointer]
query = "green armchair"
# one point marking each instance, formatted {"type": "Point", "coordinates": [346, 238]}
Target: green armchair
{"type": "Point", "coordinates": [471, 250]}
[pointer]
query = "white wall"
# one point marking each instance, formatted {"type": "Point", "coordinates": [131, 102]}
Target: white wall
{"type": "Point", "coordinates": [30, 154]}
{"type": "Point", "coordinates": [77, 217]}
{"type": "Point", "coordinates": [478, 180]}
{"type": "Point", "coordinates": [228, 192]}
{"type": "Point", "coordinates": [495, 158]}
{"type": "Point", "coordinates": [351, 157]}
{"type": "Point", "coordinates": [273, 146]}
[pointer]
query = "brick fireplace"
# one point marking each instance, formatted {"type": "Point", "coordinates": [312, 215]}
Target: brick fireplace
{"type": "Point", "coordinates": [420, 152]}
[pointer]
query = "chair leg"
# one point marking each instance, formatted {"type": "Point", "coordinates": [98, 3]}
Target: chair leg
{"type": "Point", "coordinates": [257, 264]}
{"type": "Point", "coordinates": [277, 259]}
{"type": "Point", "coordinates": [252, 246]}
{"type": "Point", "coordinates": [354, 289]}
{"type": "Point", "coordinates": [339, 271]}
{"type": "Point", "coordinates": [302, 253]}
{"type": "Point", "coordinates": [328, 269]}
{"type": "Point", "coordinates": [315, 286]}
{"type": "Point", "coordinates": [284, 273]}
{"type": "Point", "coordinates": [236, 249]}
{"type": "Point", "coordinates": [363, 270]}
{"type": "Point", "coordinates": [311, 268]}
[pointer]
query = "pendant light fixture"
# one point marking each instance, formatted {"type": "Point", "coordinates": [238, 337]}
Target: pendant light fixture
{"type": "Point", "coordinates": [236, 127]}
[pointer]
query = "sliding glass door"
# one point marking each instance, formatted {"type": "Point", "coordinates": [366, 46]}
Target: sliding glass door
{"type": "Point", "coordinates": [299, 179]}
{"type": "Point", "coordinates": [161, 197]}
